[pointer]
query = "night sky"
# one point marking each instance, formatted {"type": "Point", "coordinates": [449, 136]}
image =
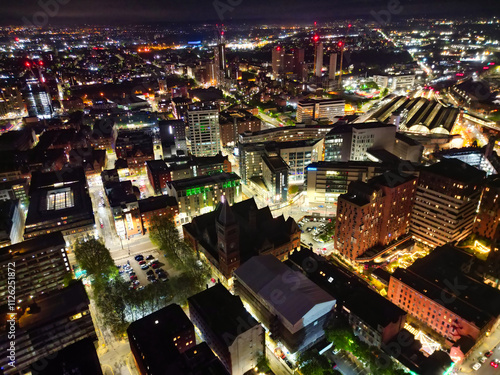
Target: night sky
{"type": "Point", "coordinates": [293, 11]}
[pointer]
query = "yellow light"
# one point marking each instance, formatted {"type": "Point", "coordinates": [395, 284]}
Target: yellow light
{"type": "Point", "coordinates": [480, 247]}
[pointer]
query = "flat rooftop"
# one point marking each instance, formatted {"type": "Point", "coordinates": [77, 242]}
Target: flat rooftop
{"type": "Point", "coordinates": [203, 180]}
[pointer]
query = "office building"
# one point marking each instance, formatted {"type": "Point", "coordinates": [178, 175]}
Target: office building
{"type": "Point", "coordinates": [204, 131]}
{"type": "Point", "coordinates": [298, 155]}
{"type": "Point", "coordinates": [230, 331]}
{"type": "Point", "coordinates": [278, 61]}
{"type": "Point", "coordinates": [274, 178]}
{"type": "Point", "coordinates": [11, 223]}
{"type": "Point", "coordinates": [238, 232]}
{"type": "Point", "coordinates": [59, 201]}
{"type": "Point", "coordinates": [487, 222]}
{"type": "Point", "coordinates": [285, 134]}
{"type": "Point", "coordinates": [395, 82]}
{"type": "Point", "coordinates": [325, 181]}
{"type": "Point", "coordinates": [157, 206]}
{"type": "Point", "coordinates": [298, 315]}
{"type": "Point", "coordinates": [38, 101]}
{"type": "Point", "coordinates": [199, 195]}
{"type": "Point", "coordinates": [423, 290]}
{"type": "Point", "coordinates": [64, 313]}
{"type": "Point", "coordinates": [407, 148]}
{"type": "Point", "coordinates": [351, 141]}
{"type": "Point", "coordinates": [309, 110]}
{"type": "Point", "coordinates": [173, 137]}
{"type": "Point", "coordinates": [41, 266]}
{"type": "Point", "coordinates": [14, 189]}
{"type": "Point", "coordinates": [446, 200]}
{"type": "Point", "coordinates": [376, 213]}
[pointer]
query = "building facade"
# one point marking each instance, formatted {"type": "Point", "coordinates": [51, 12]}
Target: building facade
{"type": "Point", "coordinates": [199, 195]}
{"type": "Point", "coordinates": [446, 200]}
{"type": "Point", "coordinates": [204, 130]}
{"type": "Point", "coordinates": [487, 222]}
{"type": "Point", "coordinates": [309, 110]}
{"type": "Point", "coordinates": [230, 331]}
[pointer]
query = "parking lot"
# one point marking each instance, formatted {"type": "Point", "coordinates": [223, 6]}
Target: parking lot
{"type": "Point", "coordinates": [133, 265]}
{"type": "Point", "coordinates": [312, 227]}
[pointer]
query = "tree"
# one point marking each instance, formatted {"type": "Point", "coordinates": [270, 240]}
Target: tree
{"type": "Point", "coordinates": [94, 257]}
{"type": "Point", "coordinates": [263, 363]}
{"type": "Point", "coordinates": [312, 363]}
{"type": "Point", "coordinates": [165, 235]}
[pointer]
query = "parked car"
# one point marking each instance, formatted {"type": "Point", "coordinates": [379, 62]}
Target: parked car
{"type": "Point", "coordinates": [142, 262]}
{"type": "Point", "coordinates": [494, 363]}
{"type": "Point", "coordinates": [476, 366]}
{"type": "Point", "coordinates": [139, 257]}
{"type": "Point", "coordinates": [482, 359]}
{"type": "Point", "coordinates": [144, 267]}
{"type": "Point", "coordinates": [149, 257]}
{"type": "Point", "coordinates": [150, 272]}
{"type": "Point", "coordinates": [488, 354]}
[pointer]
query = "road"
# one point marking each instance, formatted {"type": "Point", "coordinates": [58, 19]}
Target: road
{"type": "Point", "coordinates": [345, 365]}
{"type": "Point", "coordinates": [489, 343]}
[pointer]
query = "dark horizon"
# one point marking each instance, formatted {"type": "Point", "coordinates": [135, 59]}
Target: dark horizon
{"type": "Point", "coordinates": [94, 12]}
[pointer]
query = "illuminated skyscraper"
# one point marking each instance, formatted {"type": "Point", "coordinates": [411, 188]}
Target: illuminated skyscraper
{"type": "Point", "coordinates": [333, 66]}
{"type": "Point", "coordinates": [278, 60]}
{"type": "Point", "coordinates": [319, 59]}
{"type": "Point", "coordinates": [204, 132]}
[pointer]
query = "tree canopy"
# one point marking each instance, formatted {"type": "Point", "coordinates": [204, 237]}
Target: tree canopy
{"type": "Point", "coordinates": [94, 257]}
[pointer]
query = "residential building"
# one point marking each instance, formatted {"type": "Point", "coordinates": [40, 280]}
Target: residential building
{"type": "Point", "coordinates": [104, 134]}
{"type": "Point", "coordinates": [199, 195]}
{"type": "Point", "coordinates": [230, 235]}
{"type": "Point", "coordinates": [59, 201]}
{"type": "Point", "coordinates": [309, 110]}
{"type": "Point", "coordinates": [136, 147]}
{"type": "Point", "coordinates": [157, 206]}
{"type": "Point", "coordinates": [376, 213]}
{"type": "Point", "coordinates": [158, 175]}
{"type": "Point", "coordinates": [295, 315]}
{"type": "Point", "coordinates": [231, 332]}
{"type": "Point", "coordinates": [446, 200]}
{"type": "Point", "coordinates": [173, 133]}
{"type": "Point", "coordinates": [64, 313]}
{"type": "Point", "coordinates": [351, 141]}
{"type": "Point", "coordinates": [164, 342]}
{"type": "Point", "coordinates": [423, 290]}
{"type": "Point", "coordinates": [41, 266]}
{"type": "Point", "coordinates": [487, 222]}
{"type": "Point", "coordinates": [92, 161]}
{"type": "Point", "coordinates": [204, 131]}
{"type": "Point", "coordinates": [278, 57]}
{"type": "Point", "coordinates": [234, 122]}
{"type": "Point", "coordinates": [123, 201]}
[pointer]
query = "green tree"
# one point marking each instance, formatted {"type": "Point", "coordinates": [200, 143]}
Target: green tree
{"type": "Point", "coordinates": [94, 257]}
{"type": "Point", "coordinates": [263, 363]}
{"type": "Point", "coordinates": [311, 362]}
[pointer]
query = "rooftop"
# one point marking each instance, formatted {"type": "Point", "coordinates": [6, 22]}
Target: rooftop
{"type": "Point", "coordinates": [203, 180]}
{"type": "Point", "coordinates": [265, 274]}
{"type": "Point", "coordinates": [456, 170]}
{"type": "Point", "coordinates": [156, 203]}
{"type": "Point", "coordinates": [223, 312]}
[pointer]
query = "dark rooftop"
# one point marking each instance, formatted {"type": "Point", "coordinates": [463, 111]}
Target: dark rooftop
{"type": "Point", "coordinates": [51, 240]}
{"type": "Point", "coordinates": [456, 170]}
{"type": "Point", "coordinates": [156, 203]}
{"type": "Point", "coordinates": [223, 312]}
